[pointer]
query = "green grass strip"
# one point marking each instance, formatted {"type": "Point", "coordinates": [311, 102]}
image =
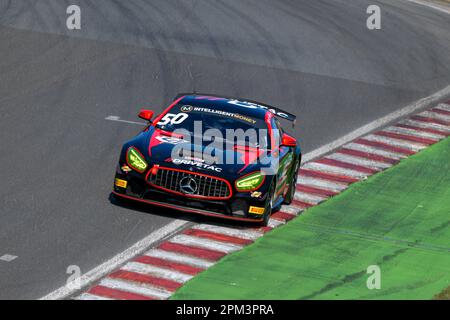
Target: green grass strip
{"type": "Point", "coordinates": [398, 220]}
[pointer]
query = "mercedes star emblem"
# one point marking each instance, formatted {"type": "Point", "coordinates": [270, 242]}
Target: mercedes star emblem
{"type": "Point", "coordinates": [188, 185]}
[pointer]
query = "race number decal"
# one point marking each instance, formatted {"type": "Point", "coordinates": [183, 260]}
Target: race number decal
{"type": "Point", "coordinates": [171, 118]}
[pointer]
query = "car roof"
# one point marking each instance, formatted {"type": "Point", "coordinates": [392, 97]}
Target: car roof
{"type": "Point", "coordinates": [225, 104]}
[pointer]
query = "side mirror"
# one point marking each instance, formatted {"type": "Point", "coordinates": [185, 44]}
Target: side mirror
{"type": "Point", "coordinates": [146, 115]}
{"type": "Point", "coordinates": [288, 141]}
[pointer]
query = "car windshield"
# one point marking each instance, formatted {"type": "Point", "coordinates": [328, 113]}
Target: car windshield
{"type": "Point", "coordinates": [222, 125]}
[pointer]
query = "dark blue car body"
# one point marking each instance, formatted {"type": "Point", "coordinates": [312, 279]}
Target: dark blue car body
{"type": "Point", "coordinates": [224, 182]}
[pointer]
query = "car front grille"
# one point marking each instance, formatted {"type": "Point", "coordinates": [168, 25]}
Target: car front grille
{"type": "Point", "coordinates": [203, 185]}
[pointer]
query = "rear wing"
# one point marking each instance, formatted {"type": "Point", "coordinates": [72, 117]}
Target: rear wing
{"type": "Point", "coordinates": [276, 111]}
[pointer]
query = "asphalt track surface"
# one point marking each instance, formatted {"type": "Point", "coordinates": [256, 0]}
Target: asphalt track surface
{"type": "Point", "coordinates": [316, 59]}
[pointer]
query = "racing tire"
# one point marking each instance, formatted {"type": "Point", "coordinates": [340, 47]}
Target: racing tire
{"type": "Point", "coordinates": [269, 206]}
{"type": "Point", "coordinates": [292, 187]}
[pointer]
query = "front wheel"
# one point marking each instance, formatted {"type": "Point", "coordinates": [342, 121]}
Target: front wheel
{"type": "Point", "coordinates": [269, 206]}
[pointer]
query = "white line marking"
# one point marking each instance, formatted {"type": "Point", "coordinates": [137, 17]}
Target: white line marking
{"type": "Point", "coordinates": [112, 264]}
{"type": "Point", "coordinates": [179, 258]}
{"type": "Point", "coordinates": [156, 271]}
{"type": "Point", "coordinates": [142, 289]}
{"type": "Point", "coordinates": [334, 170]}
{"type": "Point", "coordinates": [376, 151]}
{"type": "Point", "coordinates": [117, 119]}
{"type": "Point", "coordinates": [89, 296]}
{"type": "Point", "coordinates": [430, 5]}
{"type": "Point", "coordinates": [238, 233]}
{"type": "Point", "coordinates": [435, 115]}
{"type": "Point", "coordinates": [425, 125]}
{"type": "Point", "coordinates": [273, 223]}
{"type": "Point", "coordinates": [205, 243]}
{"type": "Point", "coordinates": [291, 209]}
{"type": "Point", "coordinates": [8, 257]}
{"type": "Point", "coordinates": [421, 104]}
{"type": "Point", "coordinates": [322, 184]}
{"type": "Point", "coordinates": [414, 146]}
{"type": "Point", "coordinates": [443, 106]}
{"type": "Point", "coordinates": [142, 245]}
{"type": "Point", "coordinates": [376, 165]}
{"type": "Point", "coordinates": [309, 198]}
{"type": "Point", "coordinates": [416, 133]}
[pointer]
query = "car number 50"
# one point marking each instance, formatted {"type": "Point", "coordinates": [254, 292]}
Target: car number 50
{"type": "Point", "coordinates": [173, 118]}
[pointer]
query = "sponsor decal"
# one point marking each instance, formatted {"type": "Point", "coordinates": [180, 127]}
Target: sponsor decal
{"type": "Point", "coordinates": [187, 108]}
{"type": "Point", "coordinates": [199, 164]}
{"type": "Point", "coordinates": [125, 168]}
{"type": "Point", "coordinates": [256, 210]}
{"type": "Point", "coordinates": [121, 183]}
{"type": "Point", "coordinates": [236, 116]}
{"type": "Point", "coordinates": [256, 194]}
{"type": "Point", "coordinates": [195, 159]}
{"type": "Point", "coordinates": [170, 140]}
{"type": "Point", "coordinates": [199, 156]}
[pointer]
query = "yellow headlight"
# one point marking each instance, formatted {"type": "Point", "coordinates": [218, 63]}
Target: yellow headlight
{"type": "Point", "coordinates": [250, 182]}
{"type": "Point", "coordinates": [136, 160]}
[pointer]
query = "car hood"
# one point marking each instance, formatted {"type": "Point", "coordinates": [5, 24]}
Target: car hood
{"type": "Point", "coordinates": [172, 151]}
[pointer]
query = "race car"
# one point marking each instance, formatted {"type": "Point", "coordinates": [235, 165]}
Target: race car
{"type": "Point", "coordinates": [212, 155]}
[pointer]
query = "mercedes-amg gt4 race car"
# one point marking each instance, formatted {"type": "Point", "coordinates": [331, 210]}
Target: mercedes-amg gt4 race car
{"type": "Point", "coordinates": [214, 156]}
